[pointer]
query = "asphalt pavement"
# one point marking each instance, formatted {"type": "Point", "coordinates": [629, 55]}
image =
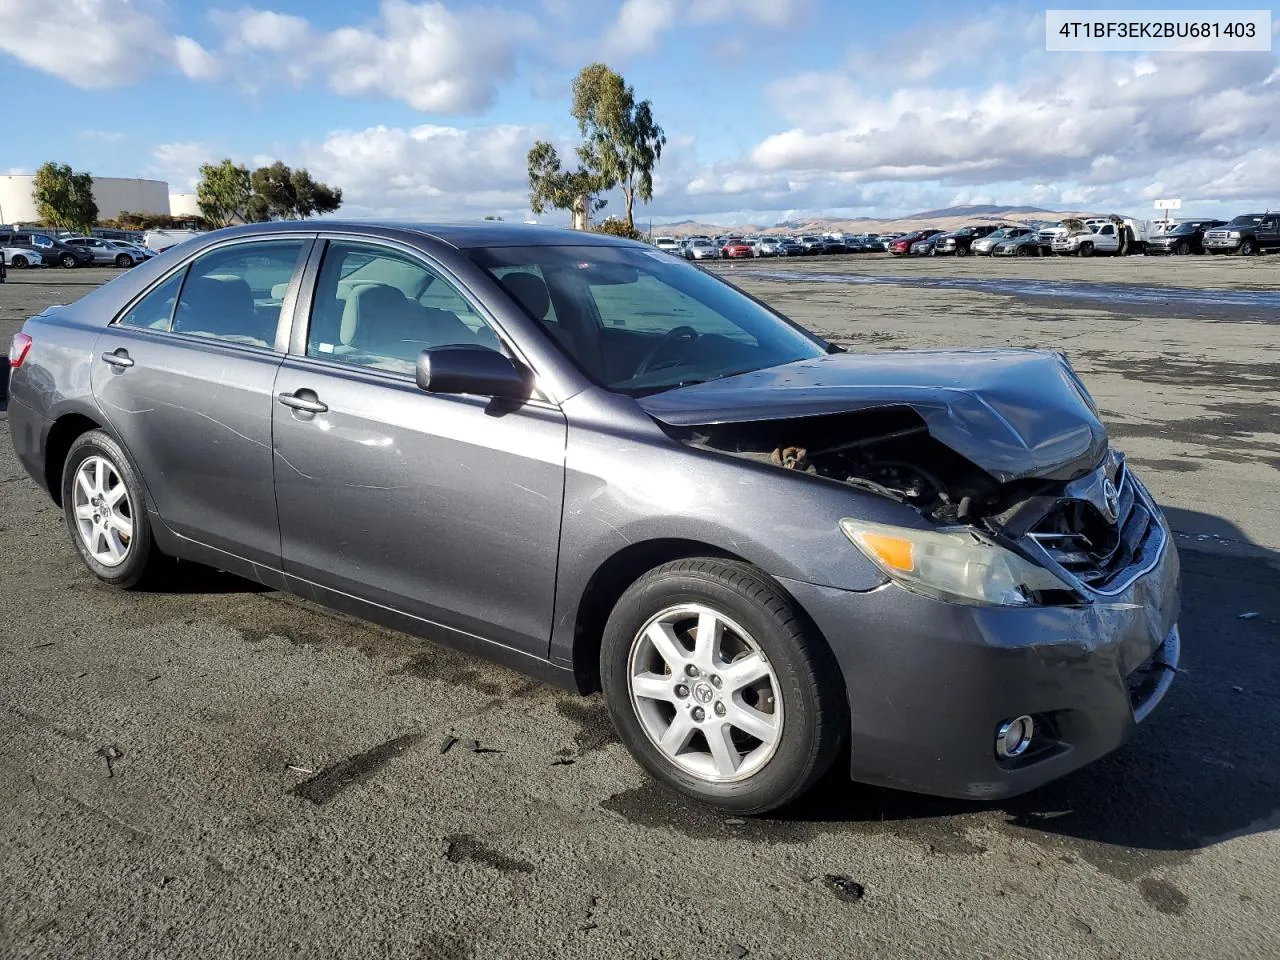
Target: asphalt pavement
{"type": "Point", "coordinates": [222, 771]}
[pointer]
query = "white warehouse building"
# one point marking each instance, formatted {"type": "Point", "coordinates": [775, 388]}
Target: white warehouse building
{"type": "Point", "coordinates": [114, 195]}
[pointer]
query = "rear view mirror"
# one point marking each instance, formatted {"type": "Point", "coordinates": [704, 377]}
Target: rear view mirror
{"type": "Point", "coordinates": [609, 274]}
{"type": "Point", "coordinates": [474, 370]}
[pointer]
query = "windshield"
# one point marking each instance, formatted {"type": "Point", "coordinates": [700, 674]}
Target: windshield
{"type": "Point", "coordinates": [1246, 221]}
{"type": "Point", "coordinates": [1185, 228]}
{"type": "Point", "coordinates": [638, 323]}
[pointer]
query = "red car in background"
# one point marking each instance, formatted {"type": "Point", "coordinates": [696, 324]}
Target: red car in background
{"type": "Point", "coordinates": [737, 248]}
{"type": "Point", "coordinates": [902, 246]}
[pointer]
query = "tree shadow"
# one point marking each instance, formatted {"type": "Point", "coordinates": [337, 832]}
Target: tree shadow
{"type": "Point", "coordinates": [1204, 767]}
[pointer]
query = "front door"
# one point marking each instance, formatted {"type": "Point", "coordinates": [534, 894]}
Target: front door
{"type": "Point", "coordinates": [185, 380]}
{"type": "Point", "coordinates": [443, 507]}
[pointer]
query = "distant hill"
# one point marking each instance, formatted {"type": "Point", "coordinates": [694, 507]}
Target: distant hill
{"type": "Point", "coordinates": [978, 210]}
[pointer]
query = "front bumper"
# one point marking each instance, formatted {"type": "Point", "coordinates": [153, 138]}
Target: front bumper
{"type": "Point", "coordinates": [929, 682]}
{"type": "Point", "coordinates": [1220, 244]}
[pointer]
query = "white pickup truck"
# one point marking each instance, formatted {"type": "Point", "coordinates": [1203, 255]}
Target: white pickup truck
{"type": "Point", "coordinates": [1111, 235]}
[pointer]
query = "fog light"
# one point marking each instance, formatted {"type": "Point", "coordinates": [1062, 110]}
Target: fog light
{"type": "Point", "coordinates": [1014, 736]}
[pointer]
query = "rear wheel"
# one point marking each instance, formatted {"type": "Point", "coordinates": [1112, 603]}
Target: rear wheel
{"type": "Point", "coordinates": [106, 512]}
{"type": "Point", "coordinates": [719, 687]}
{"type": "Point", "coordinates": [1024, 251]}
{"type": "Point", "coordinates": [124, 260]}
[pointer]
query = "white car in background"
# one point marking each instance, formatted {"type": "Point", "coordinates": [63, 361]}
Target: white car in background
{"type": "Point", "coordinates": [667, 245]}
{"type": "Point", "coordinates": [703, 250]}
{"type": "Point", "coordinates": [21, 257]}
{"type": "Point", "coordinates": [162, 240]}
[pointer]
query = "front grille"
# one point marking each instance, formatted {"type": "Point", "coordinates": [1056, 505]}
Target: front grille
{"type": "Point", "coordinates": [1079, 536]}
{"type": "Point", "coordinates": [1216, 235]}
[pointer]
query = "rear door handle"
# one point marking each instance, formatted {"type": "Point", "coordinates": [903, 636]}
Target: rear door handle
{"type": "Point", "coordinates": [305, 404]}
{"type": "Point", "coordinates": [120, 358]}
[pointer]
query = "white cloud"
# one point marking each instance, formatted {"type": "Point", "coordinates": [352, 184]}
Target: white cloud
{"type": "Point", "coordinates": [178, 163]}
{"type": "Point", "coordinates": [96, 44]}
{"type": "Point", "coordinates": [638, 27]}
{"type": "Point", "coordinates": [249, 29]}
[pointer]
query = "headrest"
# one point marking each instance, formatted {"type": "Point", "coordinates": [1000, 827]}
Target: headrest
{"type": "Point", "coordinates": [529, 291]}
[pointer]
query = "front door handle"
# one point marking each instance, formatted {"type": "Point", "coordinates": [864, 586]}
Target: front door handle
{"type": "Point", "coordinates": [120, 358]}
{"type": "Point", "coordinates": [304, 403]}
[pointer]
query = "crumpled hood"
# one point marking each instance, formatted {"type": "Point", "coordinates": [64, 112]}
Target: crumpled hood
{"type": "Point", "coordinates": [1014, 413]}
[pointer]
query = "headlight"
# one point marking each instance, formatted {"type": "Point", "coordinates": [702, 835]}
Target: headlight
{"type": "Point", "coordinates": [1234, 235]}
{"type": "Point", "coordinates": [956, 564]}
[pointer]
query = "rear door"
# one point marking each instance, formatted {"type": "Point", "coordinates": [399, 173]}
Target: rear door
{"type": "Point", "coordinates": [446, 508]}
{"type": "Point", "coordinates": [1269, 232]}
{"type": "Point", "coordinates": [185, 377]}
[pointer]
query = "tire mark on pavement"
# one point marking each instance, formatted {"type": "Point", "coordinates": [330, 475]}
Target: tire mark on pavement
{"type": "Point", "coordinates": [331, 781]}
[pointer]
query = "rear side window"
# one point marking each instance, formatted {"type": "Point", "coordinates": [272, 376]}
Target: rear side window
{"type": "Point", "coordinates": [235, 293]}
{"type": "Point", "coordinates": [155, 310]}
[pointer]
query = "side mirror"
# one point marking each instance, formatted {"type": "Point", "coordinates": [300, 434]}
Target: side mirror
{"type": "Point", "coordinates": [475, 370]}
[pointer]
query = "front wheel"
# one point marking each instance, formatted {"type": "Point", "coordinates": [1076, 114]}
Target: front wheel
{"type": "Point", "coordinates": [68, 261]}
{"type": "Point", "coordinates": [106, 512]}
{"type": "Point", "coordinates": [720, 688]}
{"type": "Point", "coordinates": [1182, 249]}
{"type": "Point", "coordinates": [124, 260]}
{"type": "Point", "coordinates": [1086, 249]}
{"type": "Point", "coordinates": [19, 262]}
{"type": "Point", "coordinates": [962, 251]}
{"type": "Point", "coordinates": [1248, 248]}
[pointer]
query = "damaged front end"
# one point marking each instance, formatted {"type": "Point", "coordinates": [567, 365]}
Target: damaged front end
{"type": "Point", "coordinates": [1010, 467]}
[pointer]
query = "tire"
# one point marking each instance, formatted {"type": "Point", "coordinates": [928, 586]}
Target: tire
{"type": "Point", "coordinates": [1086, 249]}
{"type": "Point", "coordinates": [1247, 248]}
{"type": "Point", "coordinates": [1182, 249]}
{"type": "Point", "coordinates": [809, 714]}
{"type": "Point", "coordinates": [141, 562]}
{"type": "Point", "coordinates": [124, 260]}
{"type": "Point", "coordinates": [68, 261]}
{"type": "Point", "coordinates": [19, 262]}
{"type": "Point", "coordinates": [962, 251]}
{"type": "Point", "coordinates": [1023, 251]}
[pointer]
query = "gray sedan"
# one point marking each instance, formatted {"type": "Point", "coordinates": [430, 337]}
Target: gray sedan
{"type": "Point", "coordinates": [106, 252]}
{"type": "Point", "coordinates": [613, 470]}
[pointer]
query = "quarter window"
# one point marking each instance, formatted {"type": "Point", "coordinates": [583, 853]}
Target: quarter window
{"type": "Point", "coordinates": [235, 293]}
{"type": "Point", "coordinates": [155, 310]}
{"type": "Point", "coordinates": [376, 307]}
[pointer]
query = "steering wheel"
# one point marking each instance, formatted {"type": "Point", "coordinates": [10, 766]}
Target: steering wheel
{"type": "Point", "coordinates": [675, 333]}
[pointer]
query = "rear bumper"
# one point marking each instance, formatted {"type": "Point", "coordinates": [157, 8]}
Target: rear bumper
{"type": "Point", "coordinates": [930, 682]}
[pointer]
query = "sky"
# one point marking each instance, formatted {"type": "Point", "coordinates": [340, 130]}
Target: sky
{"type": "Point", "coordinates": [773, 109]}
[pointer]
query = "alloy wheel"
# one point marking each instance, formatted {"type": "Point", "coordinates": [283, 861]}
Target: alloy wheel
{"type": "Point", "coordinates": [705, 694]}
{"type": "Point", "coordinates": [103, 511]}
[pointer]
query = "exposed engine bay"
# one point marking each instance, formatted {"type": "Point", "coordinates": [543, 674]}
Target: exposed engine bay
{"type": "Point", "coordinates": [888, 452]}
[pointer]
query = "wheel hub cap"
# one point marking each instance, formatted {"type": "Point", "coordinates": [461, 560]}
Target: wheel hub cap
{"type": "Point", "coordinates": [103, 511]}
{"type": "Point", "coordinates": [704, 693]}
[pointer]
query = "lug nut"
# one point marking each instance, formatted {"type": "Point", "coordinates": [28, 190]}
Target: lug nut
{"type": "Point", "coordinates": [681, 691]}
{"type": "Point", "coordinates": [719, 709]}
{"type": "Point", "coordinates": [699, 714]}
{"type": "Point", "coordinates": [716, 682]}
{"type": "Point", "coordinates": [691, 670]}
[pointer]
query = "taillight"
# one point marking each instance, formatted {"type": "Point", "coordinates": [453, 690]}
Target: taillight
{"type": "Point", "coordinates": [19, 349]}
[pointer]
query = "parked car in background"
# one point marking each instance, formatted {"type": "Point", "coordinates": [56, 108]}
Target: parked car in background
{"type": "Point", "coordinates": [812, 244]}
{"type": "Point", "coordinates": [667, 244]}
{"type": "Point", "coordinates": [136, 247]}
{"type": "Point", "coordinates": [51, 249]}
{"type": "Point", "coordinates": [105, 252]}
{"type": "Point", "coordinates": [790, 247]}
{"type": "Point", "coordinates": [770, 555]}
{"type": "Point", "coordinates": [1084, 240]}
{"type": "Point", "coordinates": [984, 245]}
{"type": "Point", "coordinates": [736, 250]}
{"type": "Point", "coordinates": [925, 245]}
{"type": "Point", "coordinates": [960, 242]}
{"type": "Point", "coordinates": [162, 240]}
{"type": "Point", "coordinates": [836, 245]}
{"type": "Point", "coordinates": [1245, 235]}
{"type": "Point", "coordinates": [902, 245]}
{"type": "Point", "coordinates": [769, 247]}
{"type": "Point", "coordinates": [1185, 238]}
{"type": "Point", "coordinates": [701, 249]}
{"type": "Point", "coordinates": [20, 258]}
{"type": "Point", "coordinates": [1029, 244]}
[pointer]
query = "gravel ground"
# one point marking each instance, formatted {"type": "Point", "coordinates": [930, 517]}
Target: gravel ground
{"type": "Point", "coordinates": [218, 771]}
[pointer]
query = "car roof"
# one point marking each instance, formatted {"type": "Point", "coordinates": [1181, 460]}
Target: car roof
{"type": "Point", "coordinates": [461, 235]}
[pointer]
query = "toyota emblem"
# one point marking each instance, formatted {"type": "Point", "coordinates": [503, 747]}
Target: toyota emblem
{"type": "Point", "coordinates": [1110, 500]}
